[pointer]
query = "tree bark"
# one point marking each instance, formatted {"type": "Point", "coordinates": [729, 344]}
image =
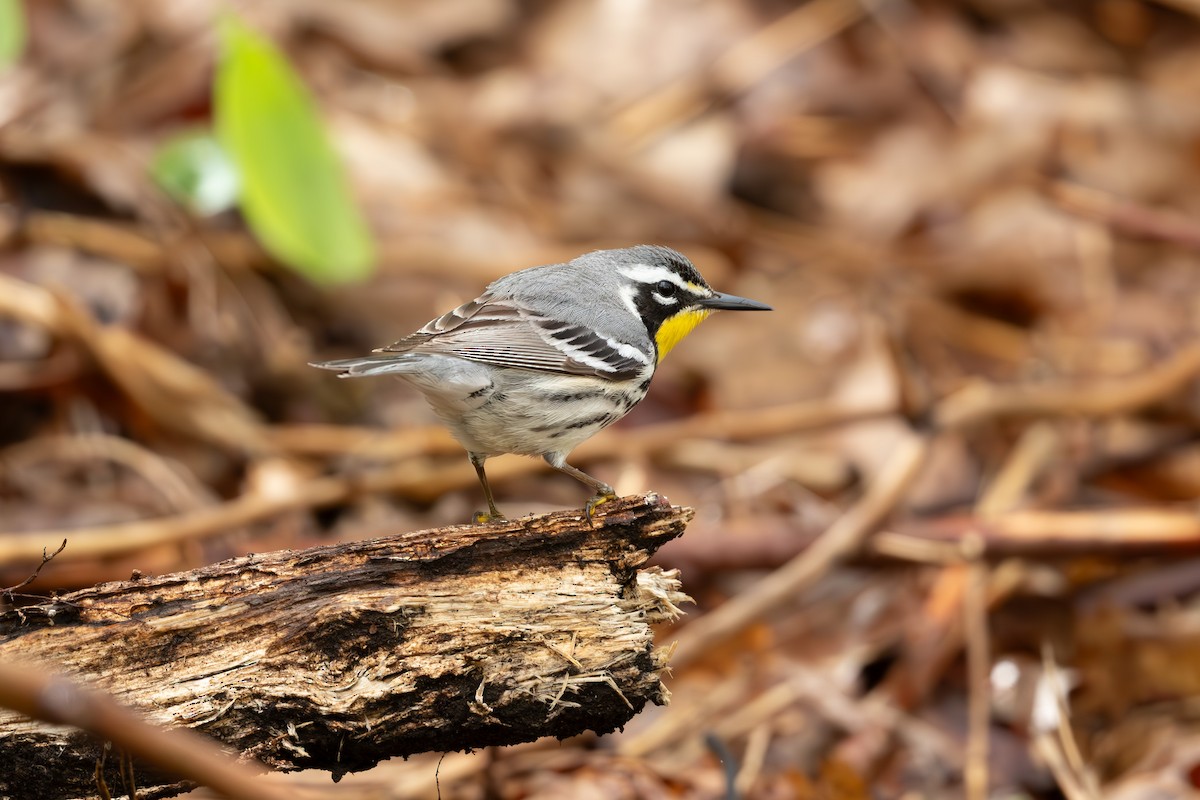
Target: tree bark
{"type": "Point", "coordinates": [341, 656]}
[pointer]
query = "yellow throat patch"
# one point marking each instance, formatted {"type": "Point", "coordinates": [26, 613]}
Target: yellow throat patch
{"type": "Point", "coordinates": [673, 329]}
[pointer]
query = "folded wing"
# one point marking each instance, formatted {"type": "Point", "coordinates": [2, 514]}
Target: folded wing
{"type": "Point", "coordinates": [497, 331]}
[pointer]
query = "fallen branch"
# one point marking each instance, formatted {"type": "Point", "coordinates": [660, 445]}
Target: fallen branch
{"type": "Point", "coordinates": [339, 657]}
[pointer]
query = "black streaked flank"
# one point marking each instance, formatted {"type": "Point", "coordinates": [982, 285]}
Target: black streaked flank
{"type": "Point", "coordinates": [588, 422]}
{"type": "Point", "coordinates": [567, 397]}
{"type": "Point", "coordinates": [595, 420]}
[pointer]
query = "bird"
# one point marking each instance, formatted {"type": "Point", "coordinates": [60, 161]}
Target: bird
{"type": "Point", "coordinates": [549, 356]}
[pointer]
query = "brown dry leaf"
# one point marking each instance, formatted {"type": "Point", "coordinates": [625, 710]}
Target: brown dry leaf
{"type": "Point", "coordinates": [176, 394]}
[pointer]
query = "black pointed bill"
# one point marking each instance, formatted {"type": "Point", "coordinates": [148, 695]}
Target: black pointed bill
{"type": "Point", "coordinates": [731, 302]}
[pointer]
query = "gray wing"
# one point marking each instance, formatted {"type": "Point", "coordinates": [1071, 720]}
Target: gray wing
{"type": "Point", "coordinates": [498, 331]}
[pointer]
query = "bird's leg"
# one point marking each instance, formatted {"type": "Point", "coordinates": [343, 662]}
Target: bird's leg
{"type": "Point", "coordinates": [492, 513]}
{"type": "Point", "coordinates": [604, 492]}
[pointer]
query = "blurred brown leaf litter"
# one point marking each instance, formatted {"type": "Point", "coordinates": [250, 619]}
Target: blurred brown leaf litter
{"type": "Point", "coordinates": [946, 534]}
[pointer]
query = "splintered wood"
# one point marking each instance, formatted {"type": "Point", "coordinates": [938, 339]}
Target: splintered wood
{"type": "Point", "coordinates": [339, 657]}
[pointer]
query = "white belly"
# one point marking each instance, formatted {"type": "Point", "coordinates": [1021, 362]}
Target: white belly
{"type": "Point", "coordinates": [494, 411]}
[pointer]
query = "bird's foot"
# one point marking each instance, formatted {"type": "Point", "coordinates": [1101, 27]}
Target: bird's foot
{"type": "Point", "coordinates": [600, 499]}
{"type": "Point", "coordinates": [484, 517]}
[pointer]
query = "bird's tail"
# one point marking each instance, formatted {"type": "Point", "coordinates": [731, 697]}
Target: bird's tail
{"type": "Point", "coordinates": [380, 364]}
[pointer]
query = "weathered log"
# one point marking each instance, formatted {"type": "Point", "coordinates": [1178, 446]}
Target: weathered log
{"type": "Point", "coordinates": [338, 657]}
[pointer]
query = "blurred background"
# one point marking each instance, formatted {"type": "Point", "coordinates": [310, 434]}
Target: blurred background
{"type": "Point", "coordinates": [976, 222]}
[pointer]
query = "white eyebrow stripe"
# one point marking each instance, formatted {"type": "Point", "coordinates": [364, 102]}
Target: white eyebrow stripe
{"type": "Point", "coordinates": [644, 273]}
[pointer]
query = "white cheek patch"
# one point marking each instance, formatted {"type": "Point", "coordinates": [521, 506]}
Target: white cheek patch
{"type": "Point", "coordinates": [628, 295]}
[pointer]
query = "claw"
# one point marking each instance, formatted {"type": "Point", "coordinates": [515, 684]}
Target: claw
{"type": "Point", "coordinates": [598, 500]}
{"type": "Point", "coordinates": [483, 517]}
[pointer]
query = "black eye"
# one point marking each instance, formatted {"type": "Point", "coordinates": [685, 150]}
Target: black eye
{"type": "Point", "coordinates": [666, 288]}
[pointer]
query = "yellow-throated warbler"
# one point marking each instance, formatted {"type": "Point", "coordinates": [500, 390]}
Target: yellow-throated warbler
{"type": "Point", "coordinates": [548, 356]}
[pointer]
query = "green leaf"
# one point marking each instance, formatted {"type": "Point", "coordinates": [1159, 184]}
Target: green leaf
{"type": "Point", "coordinates": [12, 32]}
{"type": "Point", "coordinates": [194, 169]}
{"type": "Point", "coordinates": [294, 194]}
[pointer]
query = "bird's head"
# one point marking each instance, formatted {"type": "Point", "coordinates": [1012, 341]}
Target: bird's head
{"type": "Point", "coordinates": [666, 290]}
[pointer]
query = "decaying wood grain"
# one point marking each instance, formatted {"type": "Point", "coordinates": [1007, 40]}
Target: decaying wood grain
{"type": "Point", "coordinates": [339, 657]}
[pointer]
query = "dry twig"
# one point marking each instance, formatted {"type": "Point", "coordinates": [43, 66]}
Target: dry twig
{"type": "Point", "coordinates": [981, 402]}
{"type": "Point", "coordinates": [839, 541]}
{"type": "Point", "coordinates": [30, 689]}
